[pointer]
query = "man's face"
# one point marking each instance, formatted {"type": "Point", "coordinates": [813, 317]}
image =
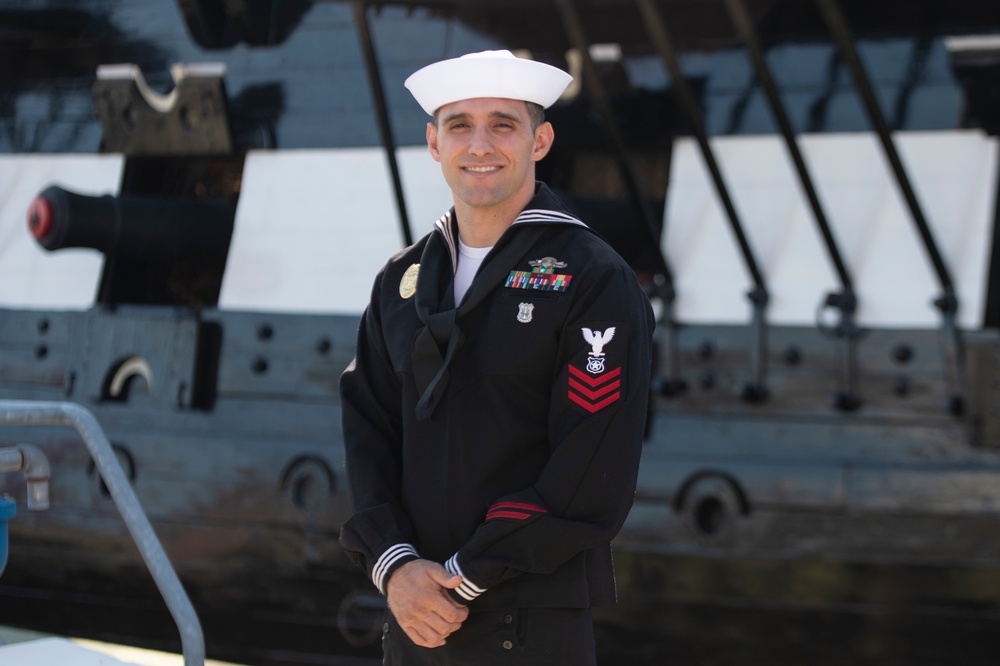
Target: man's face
{"type": "Point", "coordinates": [487, 150]}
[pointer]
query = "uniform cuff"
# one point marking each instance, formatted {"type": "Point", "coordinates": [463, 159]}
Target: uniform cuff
{"type": "Point", "coordinates": [467, 592]}
{"type": "Point", "coordinates": [389, 561]}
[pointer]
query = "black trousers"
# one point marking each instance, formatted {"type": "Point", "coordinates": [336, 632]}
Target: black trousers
{"type": "Point", "coordinates": [524, 637]}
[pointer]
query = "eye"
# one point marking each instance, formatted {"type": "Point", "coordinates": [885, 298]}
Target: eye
{"type": "Point", "coordinates": [457, 126]}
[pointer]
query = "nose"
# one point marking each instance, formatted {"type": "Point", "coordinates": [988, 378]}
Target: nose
{"type": "Point", "coordinates": [481, 144]}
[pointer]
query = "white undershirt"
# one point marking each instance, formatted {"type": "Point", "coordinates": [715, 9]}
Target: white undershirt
{"type": "Point", "coordinates": [469, 260]}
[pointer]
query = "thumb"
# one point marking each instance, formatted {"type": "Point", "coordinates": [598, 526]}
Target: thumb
{"type": "Point", "coordinates": [446, 579]}
{"type": "Point", "coordinates": [452, 582]}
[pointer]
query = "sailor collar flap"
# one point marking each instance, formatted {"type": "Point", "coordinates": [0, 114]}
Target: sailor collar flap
{"type": "Point", "coordinates": [544, 208]}
{"type": "Point", "coordinates": [434, 302]}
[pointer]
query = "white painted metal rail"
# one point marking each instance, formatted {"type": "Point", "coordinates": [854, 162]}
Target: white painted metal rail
{"type": "Point", "coordinates": [13, 412]}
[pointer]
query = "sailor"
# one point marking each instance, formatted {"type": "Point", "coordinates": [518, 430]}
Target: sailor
{"type": "Point", "coordinates": [493, 415]}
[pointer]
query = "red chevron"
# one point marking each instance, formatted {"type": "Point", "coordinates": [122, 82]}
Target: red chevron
{"type": "Point", "coordinates": [594, 395]}
{"type": "Point", "coordinates": [596, 406]}
{"type": "Point", "coordinates": [504, 510]}
{"type": "Point", "coordinates": [594, 381]}
{"type": "Point", "coordinates": [516, 515]}
{"type": "Point", "coordinates": [519, 505]}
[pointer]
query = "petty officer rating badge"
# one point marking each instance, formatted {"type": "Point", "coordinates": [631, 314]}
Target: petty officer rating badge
{"type": "Point", "coordinates": [542, 276]}
{"type": "Point", "coordinates": [597, 340]}
{"type": "Point", "coordinates": [594, 381]}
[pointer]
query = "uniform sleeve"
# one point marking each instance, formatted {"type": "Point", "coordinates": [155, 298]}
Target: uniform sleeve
{"type": "Point", "coordinates": [596, 424]}
{"type": "Point", "coordinates": [378, 535]}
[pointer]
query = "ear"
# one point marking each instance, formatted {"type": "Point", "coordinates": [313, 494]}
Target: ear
{"type": "Point", "coordinates": [432, 141]}
{"type": "Point", "coordinates": [544, 136]}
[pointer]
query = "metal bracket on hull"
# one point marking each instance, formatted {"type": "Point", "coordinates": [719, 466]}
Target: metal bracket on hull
{"type": "Point", "coordinates": [192, 119]}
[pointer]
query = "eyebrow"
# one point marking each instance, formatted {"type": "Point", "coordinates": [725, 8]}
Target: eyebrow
{"type": "Point", "coordinates": [493, 115]}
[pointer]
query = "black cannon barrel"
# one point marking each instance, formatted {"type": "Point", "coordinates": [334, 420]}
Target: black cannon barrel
{"type": "Point", "coordinates": [131, 226]}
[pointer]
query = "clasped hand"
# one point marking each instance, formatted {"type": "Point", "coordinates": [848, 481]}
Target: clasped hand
{"type": "Point", "coordinates": [418, 598]}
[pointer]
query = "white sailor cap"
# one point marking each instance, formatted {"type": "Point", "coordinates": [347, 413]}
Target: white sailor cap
{"type": "Point", "coordinates": [486, 74]}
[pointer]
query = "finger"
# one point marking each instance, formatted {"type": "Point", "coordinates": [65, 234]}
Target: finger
{"type": "Point", "coordinates": [424, 636]}
{"type": "Point", "coordinates": [459, 611]}
{"type": "Point", "coordinates": [438, 604]}
{"type": "Point", "coordinates": [433, 626]}
{"type": "Point", "coordinates": [453, 613]}
{"type": "Point", "coordinates": [452, 610]}
{"type": "Point", "coordinates": [443, 626]}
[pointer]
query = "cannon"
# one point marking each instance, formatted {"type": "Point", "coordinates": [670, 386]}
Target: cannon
{"type": "Point", "coordinates": [164, 251]}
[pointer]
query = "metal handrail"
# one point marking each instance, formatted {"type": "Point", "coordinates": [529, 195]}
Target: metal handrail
{"type": "Point", "coordinates": [16, 412]}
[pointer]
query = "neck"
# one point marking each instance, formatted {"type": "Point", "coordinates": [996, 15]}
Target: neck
{"type": "Point", "coordinates": [482, 227]}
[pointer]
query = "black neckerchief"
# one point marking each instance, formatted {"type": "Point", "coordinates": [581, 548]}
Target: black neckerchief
{"type": "Point", "coordinates": [435, 301]}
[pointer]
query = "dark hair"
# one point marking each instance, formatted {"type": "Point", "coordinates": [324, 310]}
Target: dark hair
{"type": "Point", "coordinates": [537, 114]}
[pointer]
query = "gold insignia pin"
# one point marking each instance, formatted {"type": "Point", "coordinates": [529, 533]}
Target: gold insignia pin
{"type": "Point", "coordinates": [408, 285]}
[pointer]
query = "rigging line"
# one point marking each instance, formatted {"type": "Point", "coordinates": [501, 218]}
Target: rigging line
{"type": "Point", "coordinates": [385, 127]}
{"type": "Point", "coordinates": [841, 33]}
{"type": "Point", "coordinates": [664, 44]}
{"type": "Point", "coordinates": [741, 18]}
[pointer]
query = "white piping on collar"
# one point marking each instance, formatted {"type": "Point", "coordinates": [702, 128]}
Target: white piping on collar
{"type": "Point", "coordinates": [546, 215]}
{"type": "Point", "coordinates": [528, 216]}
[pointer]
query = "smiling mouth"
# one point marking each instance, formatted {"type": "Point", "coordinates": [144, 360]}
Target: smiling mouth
{"type": "Point", "coordinates": [481, 169]}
